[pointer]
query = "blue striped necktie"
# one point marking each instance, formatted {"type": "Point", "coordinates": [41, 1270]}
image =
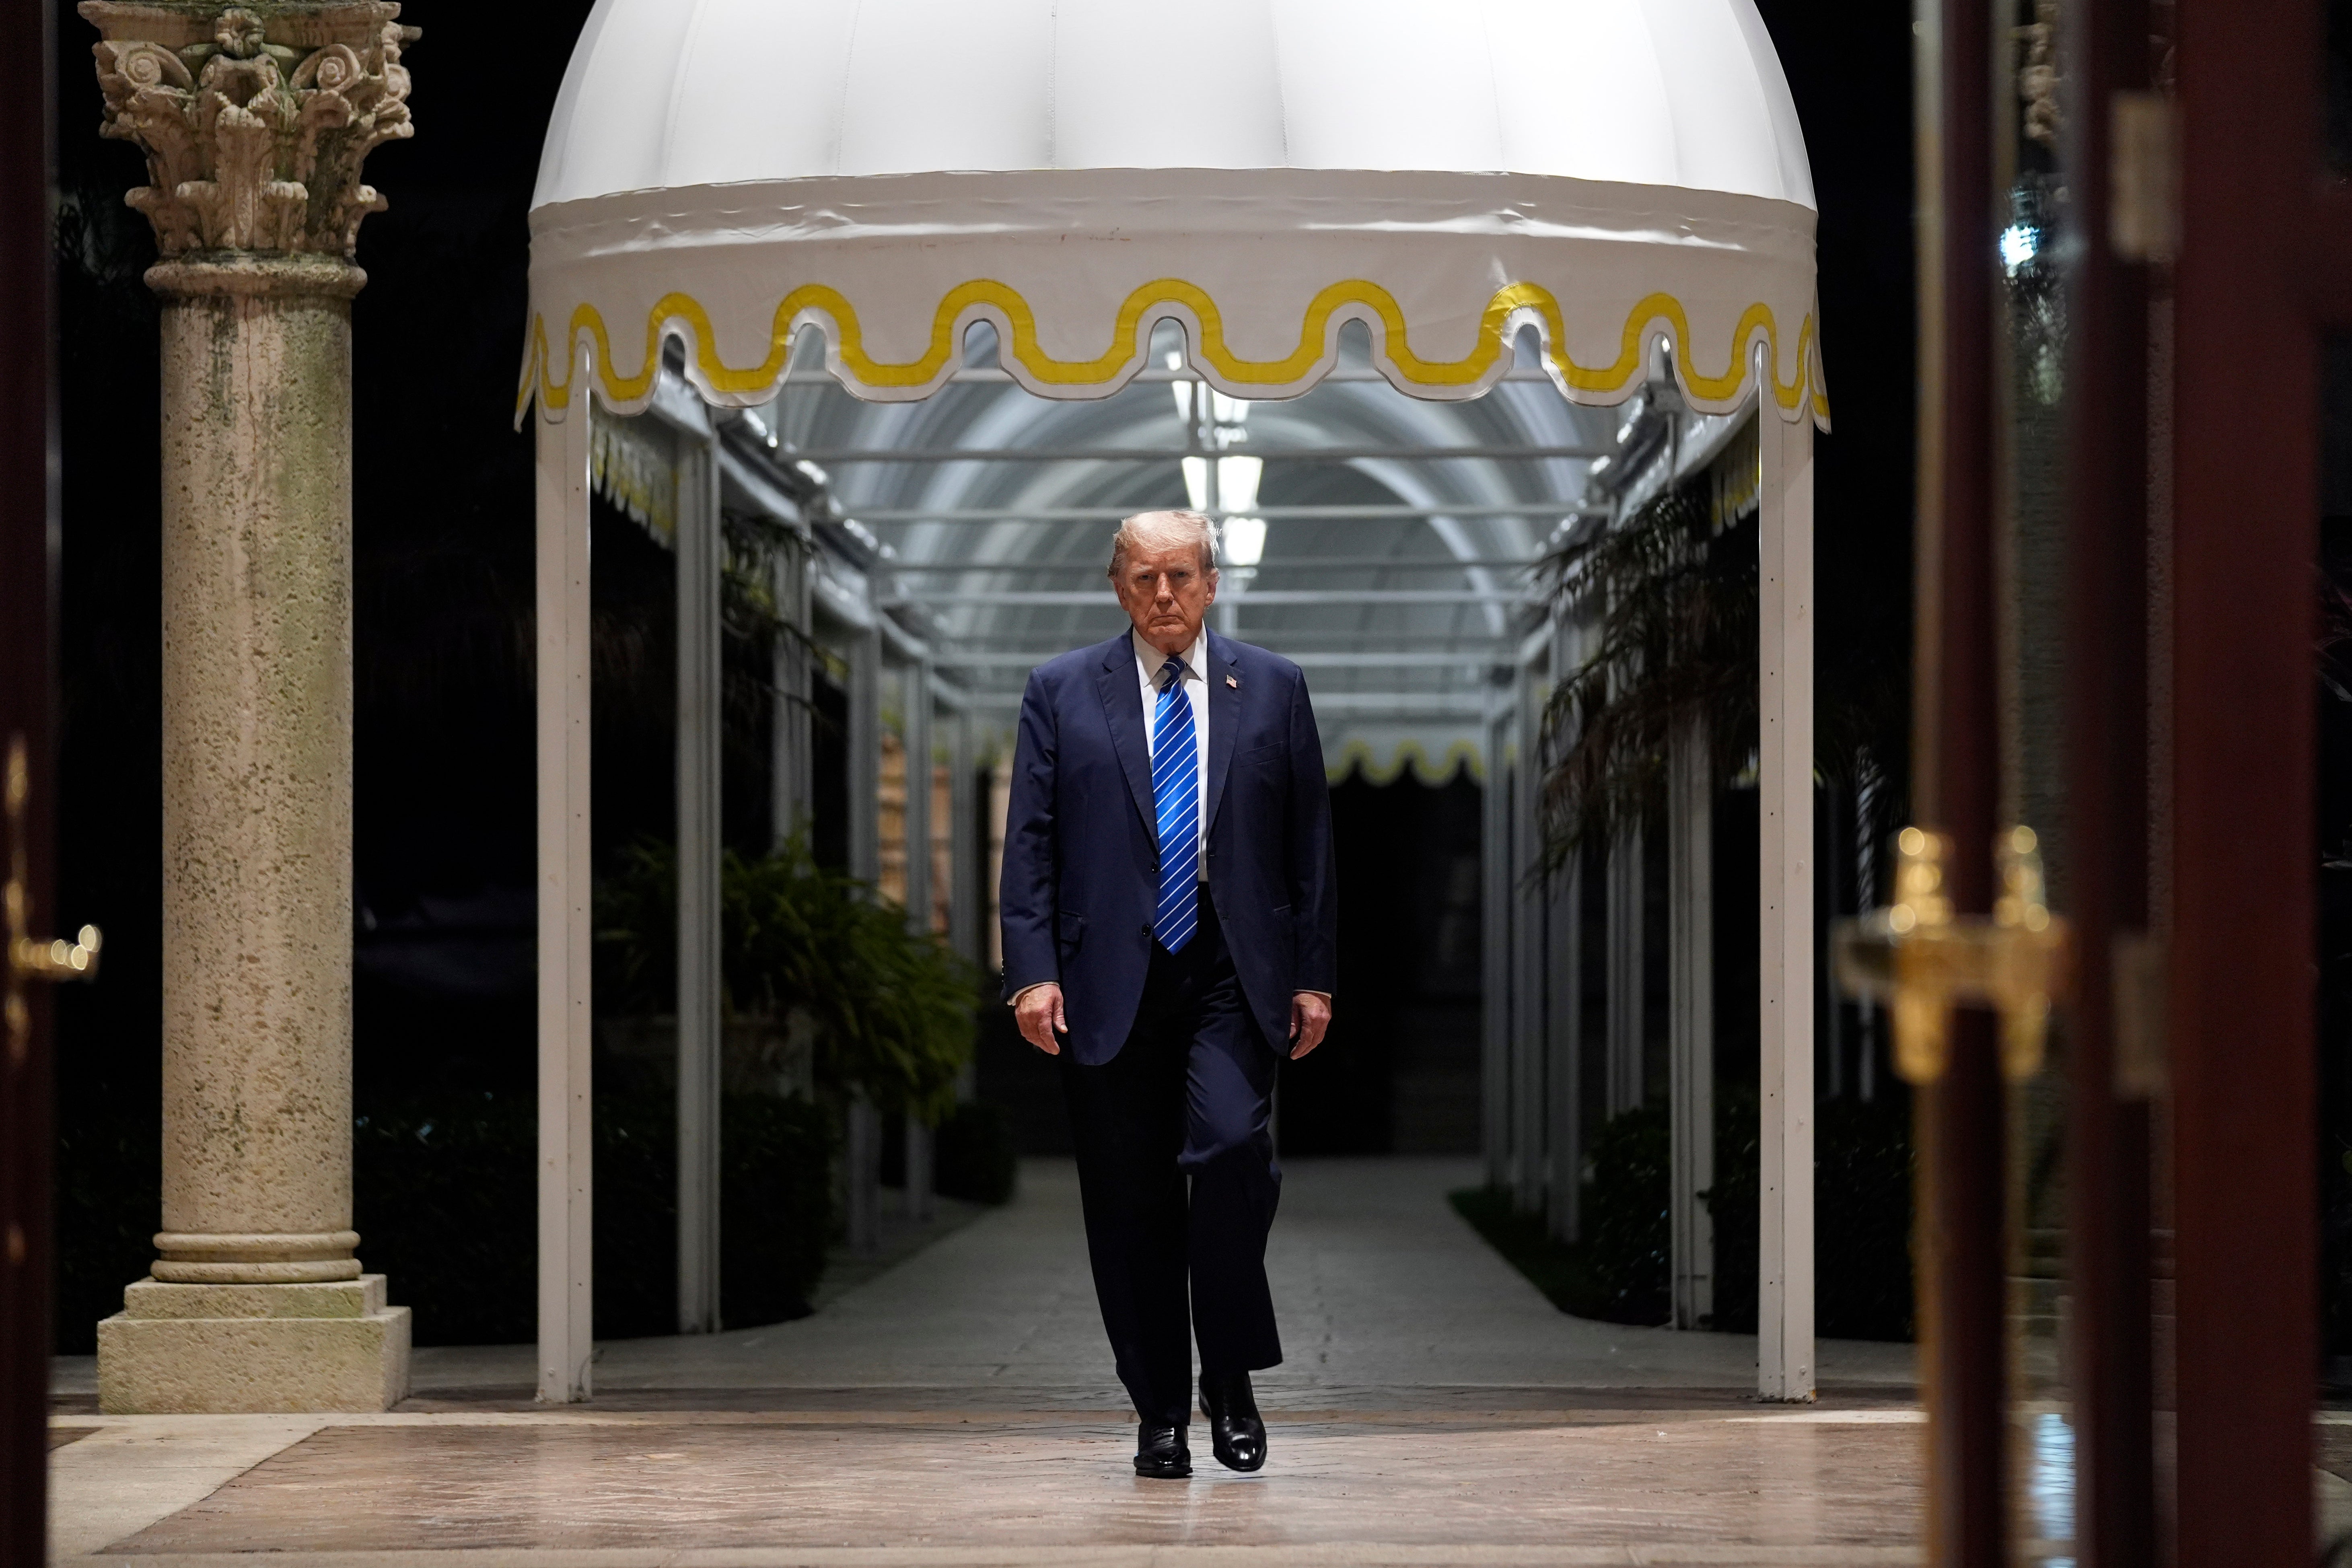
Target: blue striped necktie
{"type": "Point", "coordinates": [1176, 794]}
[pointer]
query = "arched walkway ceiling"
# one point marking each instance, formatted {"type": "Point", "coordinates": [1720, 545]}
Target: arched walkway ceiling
{"type": "Point", "coordinates": [996, 596]}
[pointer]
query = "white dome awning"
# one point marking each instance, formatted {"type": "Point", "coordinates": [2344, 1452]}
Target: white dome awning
{"type": "Point", "coordinates": [1478, 203]}
{"type": "Point", "coordinates": [1258, 172]}
{"type": "Point", "coordinates": [667, 93]}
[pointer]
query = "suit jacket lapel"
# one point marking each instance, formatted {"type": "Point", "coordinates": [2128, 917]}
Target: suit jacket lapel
{"type": "Point", "coordinates": [1122, 697]}
{"type": "Point", "coordinates": [1224, 722]}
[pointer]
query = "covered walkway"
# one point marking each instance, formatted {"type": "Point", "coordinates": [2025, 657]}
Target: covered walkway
{"type": "Point", "coordinates": [1434, 1408]}
{"type": "Point", "coordinates": [1397, 313]}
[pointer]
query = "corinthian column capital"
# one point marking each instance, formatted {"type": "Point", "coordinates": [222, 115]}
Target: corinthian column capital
{"type": "Point", "coordinates": [256, 117]}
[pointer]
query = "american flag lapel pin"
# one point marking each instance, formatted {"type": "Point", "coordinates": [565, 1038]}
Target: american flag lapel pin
{"type": "Point", "coordinates": [1234, 681]}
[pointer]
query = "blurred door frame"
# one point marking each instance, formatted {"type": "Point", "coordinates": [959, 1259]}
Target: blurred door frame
{"type": "Point", "coordinates": [2262, 266]}
{"type": "Point", "coordinates": [2197, 164]}
{"type": "Point", "coordinates": [2110, 1087]}
{"type": "Point", "coordinates": [27, 600]}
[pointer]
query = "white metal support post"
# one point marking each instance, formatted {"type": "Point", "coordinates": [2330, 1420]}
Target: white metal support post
{"type": "Point", "coordinates": [697, 556]}
{"type": "Point", "coordinates": [1530, 892]}
{"type": "Point", "coordinates": [1564, 1012]}
{"type": "Point", "coordinates": [1784, 1284]}
{"type": "Point", "coordinates": [1690, 841]}
{"type": "Point", "coordinates": [862, 1153]}
{"type": "Point", "coordinates": [866, 754]}
{"type": "Point", "coordinates": [916, 698]}
{"type": "Point", "coordinates": [1624, 885]}
{"type": "Point", "coordinates": [565, 1164]}
{"type": "Point", "coordinates": [965, 847]}
{"type": "Point", "coordinates": [788, 727]}
{"type": "Point", "coordinates": [1495, 951]}
{"type": "Point", "coordinates": [966, 856]}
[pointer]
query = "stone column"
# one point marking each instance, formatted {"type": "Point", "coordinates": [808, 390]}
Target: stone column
{"type": "Point", "coordinates": [255, 122]}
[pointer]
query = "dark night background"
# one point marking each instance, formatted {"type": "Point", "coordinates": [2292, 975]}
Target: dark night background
{"type": "Point", "coordinates": [444, 537]}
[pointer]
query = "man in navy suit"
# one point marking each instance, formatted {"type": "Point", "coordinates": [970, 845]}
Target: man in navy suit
{"type": "Point", "coordinates": [1169, 916]}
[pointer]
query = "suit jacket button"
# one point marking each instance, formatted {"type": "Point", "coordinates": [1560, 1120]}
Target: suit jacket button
{"type": "Point", "coordinates": [1147, 933]}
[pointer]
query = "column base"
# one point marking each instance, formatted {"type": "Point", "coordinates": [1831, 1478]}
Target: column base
{"type": "Point", "coordinates": [225, 1349]}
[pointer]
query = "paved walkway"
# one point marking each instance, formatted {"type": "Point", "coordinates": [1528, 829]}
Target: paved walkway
{"type": "Point", "coordinates": [959, 1409]}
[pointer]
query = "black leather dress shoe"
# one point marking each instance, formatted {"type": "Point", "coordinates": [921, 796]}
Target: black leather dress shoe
{"type": "Point", "coordinates": [1160, 1453]}
{"type": "Point", "coordinates": [1236, 1433]}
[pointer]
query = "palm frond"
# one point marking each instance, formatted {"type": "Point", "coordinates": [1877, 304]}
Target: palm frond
{"type": "Point", "coordinates": [1669, 600]}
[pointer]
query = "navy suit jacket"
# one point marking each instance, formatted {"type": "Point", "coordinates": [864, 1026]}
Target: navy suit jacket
{"type": "Point", "coordinates": [1081, 876]}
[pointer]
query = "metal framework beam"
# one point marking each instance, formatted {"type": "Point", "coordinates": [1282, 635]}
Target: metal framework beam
{"type": "Point", "coordinates": [863, 1141]}
{"type": "Point", "coordinates": [1530, 897]}
{"type": "Point", "coordinates": [914, 819]}
{"type": "Point", "coordinates": [565, 879]}
{"type": "Point", "coordinates": [1268, 596]}
{"type": "Point", "coordinates": [1495, 952]}
{"type": "Point", "coordinates": [990, 375]}
{"type": "Point", "coordinates": [1784, 805]}
{"type": "Point", "coordinates": [1690, 1021]}
{"type": "Point", "coordinates": [966, 900]}
{"type": "Point", "coordinates": [1469, 706]}
{"type": "Point", "coordinates": [699, 999]}
{"type": "Point", "coordinates": [1305, 660]}
{"type": "Point", "coordinates": [1296, 563]}
{"type": "Point", "coordinates": [1170, 454]}
{"type": "Point", "coordinates": [791, 738]}
{"type": "Point", "coordinates": [1288, 641]}
{"type": "Point", "coordinates": [1563, 1035]}
{"type": "Point", "coordinates": [1370, 511]}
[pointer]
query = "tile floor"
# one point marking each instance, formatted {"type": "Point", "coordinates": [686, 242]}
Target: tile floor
{"type": "Point", "coordinates": [959, 1409]}
{"type": "Point", "coordinates": [1595, 1480]}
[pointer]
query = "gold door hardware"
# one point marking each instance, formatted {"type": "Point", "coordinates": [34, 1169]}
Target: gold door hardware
{"type": "Point", "coordinates": [29, 958]}
{"type": "Point", "coordinates": [1922, 960]}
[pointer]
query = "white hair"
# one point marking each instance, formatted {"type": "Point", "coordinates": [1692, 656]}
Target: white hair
{"type": "Point", "coordinates": [1165, 530]}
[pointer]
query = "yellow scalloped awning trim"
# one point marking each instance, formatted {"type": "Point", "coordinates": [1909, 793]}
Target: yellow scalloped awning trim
{"type": "Point", "coordinates": [1386, 764]}
{"type": "Point", "coordinates": [1129, 350]}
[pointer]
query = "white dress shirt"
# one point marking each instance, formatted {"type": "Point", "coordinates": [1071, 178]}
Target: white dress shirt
{"type": "Point", "coordinates": [1149, 662]}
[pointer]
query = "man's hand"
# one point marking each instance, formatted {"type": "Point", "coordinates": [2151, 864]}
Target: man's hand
{"type": "Point", "coordinates": [1310, 1015]}
{"type": "Point", "coordinates": [1038, 1011]}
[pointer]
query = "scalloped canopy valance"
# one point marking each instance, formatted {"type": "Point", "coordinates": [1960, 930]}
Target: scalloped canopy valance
{"type": "Point", "coordinates": [1261, 173]}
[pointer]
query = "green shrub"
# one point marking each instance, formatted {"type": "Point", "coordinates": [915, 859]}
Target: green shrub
{"type": "Point", "coordinates": [1628, 1230]}
{"type": "Point", "coordinates": [445, 1197]}
{"type": "Point", "coordinates": [775, 1207]}
{"type": "Point", "coordinates": [1618, 1272]}
{"type": "Point", "coordinates": [775, 1212]}
{"type": "Point", "coordinates": [110, 1176]}
{"type": "Point", "coordinates": [447, 1205]}
{"type": "Point", "coordinates": [1862, 1179]}
{"type": "Point", "coordinates": [636, 1217]}
{"type": "Point", "coordinates": [975, 1157]}
{"type": "Point", "coordinates": [894, 1009]}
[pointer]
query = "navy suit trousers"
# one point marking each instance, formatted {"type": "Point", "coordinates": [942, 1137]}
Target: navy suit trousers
{"type": "Point", "coordinates": [1176, 1168]}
